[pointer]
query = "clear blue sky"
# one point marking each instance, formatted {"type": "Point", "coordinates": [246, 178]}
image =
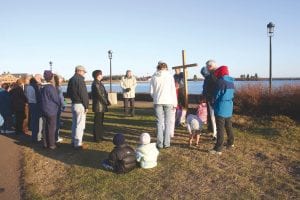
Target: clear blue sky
{"type": "Point", "coordinates": [142, 32]}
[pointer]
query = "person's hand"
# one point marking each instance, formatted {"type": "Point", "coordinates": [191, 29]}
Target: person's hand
{"type": "Point", "coordinates": [86, 111]}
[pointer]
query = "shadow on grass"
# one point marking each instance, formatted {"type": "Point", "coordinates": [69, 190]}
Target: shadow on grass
{"type": "Point", "coordinates": [65, 153]}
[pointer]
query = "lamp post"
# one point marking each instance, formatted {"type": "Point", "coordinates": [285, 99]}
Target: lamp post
{"type": "Point", "coordinates": [50, 63]}
{"type": "Point", "coordinates": [110, 57]}
{"type": "Point", "coordinates": [270, 28]}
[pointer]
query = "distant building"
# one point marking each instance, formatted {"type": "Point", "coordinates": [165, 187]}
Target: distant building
{"type": "Point", "coordinates": [7, 77]}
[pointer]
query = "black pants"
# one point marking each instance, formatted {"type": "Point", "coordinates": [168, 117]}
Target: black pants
{"type": "Point", "coordinates": [209, 123]}
{"type": "Point", "coordinates": [98, 126]}
{"type": "Point", "coordinates": [126, 110]}
{"type": "Point", "coordinates": [223, 123]}
{"type": "Point", "coordinates": [20, 116]}
{"type": "Point", "coordinates": [49, 123]}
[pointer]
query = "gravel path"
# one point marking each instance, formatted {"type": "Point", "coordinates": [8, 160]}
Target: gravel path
{"type": "Point", "coordinates": [10, 169]}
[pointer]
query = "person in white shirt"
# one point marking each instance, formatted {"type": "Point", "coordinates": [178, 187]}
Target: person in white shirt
{"type": "Point", "coordinates": [163, 92]}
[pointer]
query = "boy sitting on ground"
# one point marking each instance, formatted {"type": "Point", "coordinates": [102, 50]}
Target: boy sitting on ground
{"type": "Point", "coordinates": [122, 158]}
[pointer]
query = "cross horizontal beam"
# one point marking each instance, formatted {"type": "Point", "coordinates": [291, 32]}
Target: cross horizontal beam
{"type": "Point", "coordinates": [185, 66]}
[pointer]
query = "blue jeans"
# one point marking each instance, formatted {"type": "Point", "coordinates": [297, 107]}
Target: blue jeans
{"type": "Point", "coordinates": [163, 114]}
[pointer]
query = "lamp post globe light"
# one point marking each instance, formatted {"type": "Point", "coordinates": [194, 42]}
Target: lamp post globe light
{"type": "Point", "coordinates": [270, 28]}
{"type": "Point", "coordinates": [50, 63]}
{"type": "Point", "coordinates": [110, 57]}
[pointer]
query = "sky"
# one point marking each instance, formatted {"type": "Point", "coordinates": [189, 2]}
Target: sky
{"type": "Point", "coordinates": [142, 32]}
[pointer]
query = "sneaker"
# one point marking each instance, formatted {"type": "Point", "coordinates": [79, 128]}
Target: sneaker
{"type": "Point", "coordinates": [82, 147]}
{"type": "Point", "coordinates": [229, 146]}
{"type": "Point", "coordinates": [9, 131]}
{"type": "Point", "coordinates": [52, 147]}
{"type": "Point", "coordinates": [183, 124]}
{"type": "Point", "coordinates": [59, 140]}
{"type": "Point", "coordinates": [215, 152]}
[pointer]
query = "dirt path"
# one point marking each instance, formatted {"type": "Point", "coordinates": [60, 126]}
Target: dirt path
{"type": "Point", "coordinates": [10, 169]}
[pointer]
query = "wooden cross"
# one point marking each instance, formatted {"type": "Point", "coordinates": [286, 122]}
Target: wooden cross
{"type": "Point", "coordinates": [185, 76]}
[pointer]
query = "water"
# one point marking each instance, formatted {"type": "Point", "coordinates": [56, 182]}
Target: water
{"type": "Point", "coordinates": [195, 87]}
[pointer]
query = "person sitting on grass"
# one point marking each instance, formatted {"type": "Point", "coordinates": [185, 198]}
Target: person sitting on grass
{"type": "Point", "coordinates": [146, 152]}
{"type": "Point", "coordinates": [194, 125]}
{"type": "Point", "coordinates": [122, 158]}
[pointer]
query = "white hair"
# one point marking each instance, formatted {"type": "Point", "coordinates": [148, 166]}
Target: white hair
{"type": "Point", "coordinates": [211, 63]}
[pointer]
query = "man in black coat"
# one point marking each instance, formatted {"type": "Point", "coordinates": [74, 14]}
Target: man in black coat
{"type": "Point", "coordinates": [77, 91]}
{"type": "Point", "coordinates": [209, 86]}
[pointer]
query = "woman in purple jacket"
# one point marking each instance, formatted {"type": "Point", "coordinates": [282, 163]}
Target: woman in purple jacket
{"type": "Point", "coordinates": [50, 106]}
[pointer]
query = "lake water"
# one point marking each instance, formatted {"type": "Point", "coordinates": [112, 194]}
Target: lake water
{"type": "Point", "coordinates": [195, 87]}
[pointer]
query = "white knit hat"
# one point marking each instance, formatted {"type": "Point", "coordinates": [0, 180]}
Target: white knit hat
{"type": "Point", "coordinates": [145, 138]}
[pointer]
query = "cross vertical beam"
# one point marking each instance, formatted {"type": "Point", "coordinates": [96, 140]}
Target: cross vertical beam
{"type": "Point", "coordinates": [185, 77]}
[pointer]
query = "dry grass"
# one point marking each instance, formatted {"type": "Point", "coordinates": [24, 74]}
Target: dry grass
{"type": "Point", "coordinates": [263, 165]}
{"type": "Point", "coordinates": [256, 100]}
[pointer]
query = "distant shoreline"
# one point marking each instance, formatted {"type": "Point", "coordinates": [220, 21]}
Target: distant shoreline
{"type": "Point", "coordinates": [236, 79]}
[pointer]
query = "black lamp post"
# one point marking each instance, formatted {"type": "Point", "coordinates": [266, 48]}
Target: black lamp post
{"type": "Point", "coordinates": [110, 57]}
{"type": "Point", "coordinates": [50, 63]}
{"type": "Point", "coordinates": [270, 28]}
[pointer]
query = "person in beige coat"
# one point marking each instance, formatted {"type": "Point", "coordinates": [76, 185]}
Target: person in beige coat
{"type": "Point", "coordinates": [128, 84]}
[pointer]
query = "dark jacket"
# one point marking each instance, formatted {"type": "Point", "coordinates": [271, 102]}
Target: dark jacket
{"type": "Point", "coordinates": [5, 104]}
{"type": "Point", "coordinates": [18, 99]}
{"type": "Point", "coordinates": [122, 158]}
{"type": "Point", "coordinates": [77, 90]}
{"type": "Point", "coordinates": [99, 97]}
{"type": "Point", "coordinates": [209, 87]}
{"type": "Point", "coordinates": [50, 100]}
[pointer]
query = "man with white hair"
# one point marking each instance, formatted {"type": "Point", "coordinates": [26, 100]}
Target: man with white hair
{"type": "Point", "coordinates": [208, 92]}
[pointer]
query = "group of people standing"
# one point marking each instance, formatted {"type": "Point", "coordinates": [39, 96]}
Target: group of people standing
{"type": "Point", "coordinates": [46, 102]}
{"type": "Point", "coordinates": [217, 98]}
{"type": "Point", "coordinates": [30, 104]}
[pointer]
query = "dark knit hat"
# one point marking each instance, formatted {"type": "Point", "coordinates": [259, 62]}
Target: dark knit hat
{"type": "Point", "coordinates": [204, 71]}
{"type": "Point", "coordinates": [119, 139]}
{"type": "Point", "coordinates": [48, 75]}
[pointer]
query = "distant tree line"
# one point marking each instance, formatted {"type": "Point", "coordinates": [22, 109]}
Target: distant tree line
{"type": "Point", "coordinates": [118, 77]}
{"type": "Point", "coordinates": [249, 77]}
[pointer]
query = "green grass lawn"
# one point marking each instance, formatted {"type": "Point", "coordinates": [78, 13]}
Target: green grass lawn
{"type": "Point", "coordinates": [263, 165]}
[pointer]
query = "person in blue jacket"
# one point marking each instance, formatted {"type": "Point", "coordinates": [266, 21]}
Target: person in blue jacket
{"type": "Point", "coordinates": [223, 108]}
{"type": "Point", "coordinates": [50, 106]}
